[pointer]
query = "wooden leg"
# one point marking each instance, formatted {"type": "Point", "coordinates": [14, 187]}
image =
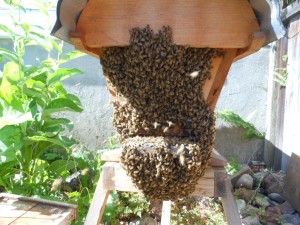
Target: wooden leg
{"type": "Point", "coordinates": [166, 213]}
{"type": "Point", "coordinates": [98, 204]}
{"type": "Point", "coordinates": [230, 208]}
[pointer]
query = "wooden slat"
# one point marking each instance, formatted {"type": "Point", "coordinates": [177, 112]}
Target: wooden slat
{"type": "Point", "coordinates": [114, 156]}
{"type": "Point", "coordinates": [115, 178]}
{"type": "Point", "coordinates": [230, 208]}
{"type": "Point", "coordinates": [98, 204]}
{"type": "Point", "coordinates": [166, 213]}
{"type": "Point", "coordinates": [220, 78]}
{"type": "Point", "coordinates": [208, 83]}
{"type": "Point", "coordinates": [259, 39]}
{"type": "Point", "coordinates": [197, 23]}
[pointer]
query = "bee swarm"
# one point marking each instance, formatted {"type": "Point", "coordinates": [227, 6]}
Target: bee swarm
{"type": "Point", "coordinates": [166, 129]}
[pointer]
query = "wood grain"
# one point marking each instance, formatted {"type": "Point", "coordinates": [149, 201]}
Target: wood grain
{"type": "Point", "coordinates": [220, 78]}
{"type": "Point", "coordinates": [197, 23]}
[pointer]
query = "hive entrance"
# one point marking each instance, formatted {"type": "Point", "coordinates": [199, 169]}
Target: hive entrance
{"type": "Point", "coordinates": [166, 129]}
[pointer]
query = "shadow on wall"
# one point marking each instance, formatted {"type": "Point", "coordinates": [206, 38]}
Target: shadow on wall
{"type": "Point", "coordinates": [229, 142]}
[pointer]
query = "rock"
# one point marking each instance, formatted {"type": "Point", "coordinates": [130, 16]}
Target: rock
{"type": "Point", "coordinates": [251, 220]}
{"type": "Point", "coordinates": [258, 178]}
{"type": "Point", "coordinates": [274, 182]}
{"type": "Point", "coordinates": [144, 221]}
{"type": "Point", "coordinates": [257, 166]}
{"type": "Point", "coordinates": [241, 204]}
{"type": "Point", "coordinates": [276, 197]}
{"type": "Point", "coordinates": [245, 194]}
{"type": "Point", "coordinates": [249, 210]}
{"type": "Point", "coordinates": [287, 224]}
{"type": "Point", "coordinates": [261, 201]}
{"type": "Point", "coordinates": [272, 215]}
{"type": "Point", "coordinates": [293, 219]}
{"type": "Point", "coordinates": [244, 170]}
{"type": "Point", "coordinates": [286, 208]}
{"type": "Point", "coordinates": [245, 181]}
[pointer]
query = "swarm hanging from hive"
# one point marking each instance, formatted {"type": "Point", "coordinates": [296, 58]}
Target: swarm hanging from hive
{"type": "Point", "coordinates": [166, 129]}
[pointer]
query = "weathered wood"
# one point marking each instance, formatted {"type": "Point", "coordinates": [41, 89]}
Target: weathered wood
{"type": "Point", "coordinates": [230, 208]}
{"type": "Point", "coordinates": [18, 210]}
{"type": "Point", "coordinates": [98, 204]}
{"type": "Point", "coordinates": [166, 213]}
{"type": "Point", "coordinates": [220, 78]}
{"type": "Point", "coordinates": [106, 23]}
{"type": "Point", "coordinates": [116, 178]}
{"type": "Point", "coordinates": [258, 40]}
{"type": "Point", "coordinates": [114, 156]}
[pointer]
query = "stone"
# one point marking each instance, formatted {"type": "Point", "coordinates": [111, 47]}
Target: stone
{"type": "Point", "coordinates": [245, 194]}
{"type": "Point", "coordinates": [244, 170]}
{"type": "Point", "coordinates": [257, 166]}
{"type": "Point", "coordinates": [241, 204]}
{"type": "Point", "coordinates": [286, 208]}
{"type": "Point", "coordinates": [251, 220]}
{"type": "Point", "coordinates": [261, 201]}
{"type": "Point", "coordinates": [245, 181]}
{"type": "Point", "coordinates": [274, 182]}
{"type": "Point", "coordinates": [276, 197]}
{"type": "Point", "coordinates": [292, 219]}
{"type": "Point", "coordinates": [272, 215]}
{"type": "Point", "coordinates": [249, 210]}
{"type": "Point", "coordinates": [258, 178]}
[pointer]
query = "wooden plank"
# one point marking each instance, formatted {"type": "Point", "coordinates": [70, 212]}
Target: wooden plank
{"type": "Point", "coordinates": [230, 208]}
{"type": "Point", "coordinates": [116, 178]}
{"type": "Point", "coordinates": [98, 204]}
{"type": "Point", "coordinates": [220, 78]}
{"type": "Point", "coordinates": [197, 23]}
{"type": "Point", "coordinates": [33, 221]}
{"type": "Point", "coordinates": [258, 41]}
{"type": "Point", "coordinates": [114, 156]}
{"type": "Point", "coordinates": [209, 82]}
{"type": "Point", "coordinates": [13, 208]}
{"type": "Point", "coordinates": [166, 213]}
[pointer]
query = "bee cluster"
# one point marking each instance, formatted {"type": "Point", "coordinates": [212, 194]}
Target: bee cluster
{"type": "Point", "coordinates": [166, 128]}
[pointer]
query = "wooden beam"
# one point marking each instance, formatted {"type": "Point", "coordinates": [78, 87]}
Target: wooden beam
{"type": "Point", "coordinates": [258, 41]}
{"type": "Point", "coordinates": [114, 156]}
{"type": "Point", "coordinates": [98, 204]}
{"type": "Point", "coordinates": [230, 208]}
{"type": "Point", "coordinates": [166, 213]}
{"type": "Point", "coordinates": [220, 78]}
{"type": "Point", "coordinates": [196, 23]}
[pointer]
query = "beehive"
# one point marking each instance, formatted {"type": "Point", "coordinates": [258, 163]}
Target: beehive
{"type": "Point", "coordinates": [166, 63]}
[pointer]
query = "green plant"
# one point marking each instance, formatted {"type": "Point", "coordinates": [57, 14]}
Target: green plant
{"type": "Point", "coordinates": [233, 165]}
{"type": "Point", "coordinates": [125, 206]}
{"type": "Point", "coordinates": [30, 95]}
{"type": "Point", "coordinates": [281, 74]}
{"type": "Point", "coordinates": [234, 119]}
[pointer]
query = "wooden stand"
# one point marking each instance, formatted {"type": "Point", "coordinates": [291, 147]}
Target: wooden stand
{"type": "Point", "coordinates": [214, 183]}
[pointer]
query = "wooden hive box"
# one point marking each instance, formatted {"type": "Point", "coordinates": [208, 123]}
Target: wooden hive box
{"type": "Point", "coordinates": [18, 210]}
{"type": "Point", "coordinates": [229, 25]}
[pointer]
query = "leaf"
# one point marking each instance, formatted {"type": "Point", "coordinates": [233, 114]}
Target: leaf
{"type": "Point", "coordinates": [16, 112]}
{"type": "Point", "coordinates": [26, 27]}
{"type": "Point", "coordinates": [58, 140]}
{"type": "Point", "coordinates": [7, 30]}
{"type": "Point", "coordinates": [10, 138]}
{"type": "Point", "coordinates": [70, 55]}
{"type": "Point", "coordinates": [61, 104]}
{"type": "Point", "coordinates": [12, 72]}
{"type": "Point", "coordinates": [9, 55]}
{"type": "Point", "coordinates": [63, 121]}
{"type": "Point", "coordinates": [56, 45]}
{"type": "Point", "coordinates": [59, 166]}
{"type": "Point", "coordinates": [61, 74]}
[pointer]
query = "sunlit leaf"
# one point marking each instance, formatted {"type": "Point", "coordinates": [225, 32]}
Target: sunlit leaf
{"type": "Point", "coordinates": [5, 53]}
{"type": "Point", "coordinates": [61, 104]}
{"type": "Point", "coordinates": [61, 74]}
{"type": "Point", "coordinates": [71, 55]}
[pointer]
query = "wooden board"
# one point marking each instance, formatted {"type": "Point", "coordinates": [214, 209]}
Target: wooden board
{"type": "Point", "coordinates": [114, 156]}
{"type": "Point", "coordinates": [18, 210]}
{"type": "Point", "coordinates": [115, 178]}
{"type": "Point", "coordinates": [197, 23]}
{"type": "Point", "coordinates": [220, 78]}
